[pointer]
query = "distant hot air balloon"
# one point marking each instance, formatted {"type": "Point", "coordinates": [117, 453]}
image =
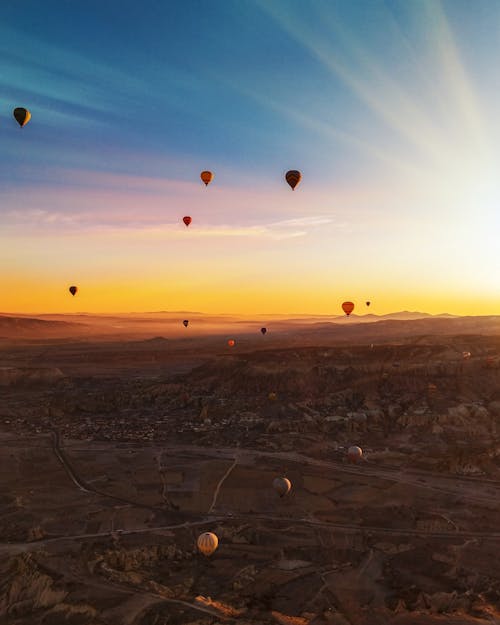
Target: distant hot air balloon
{"type": "Point", "coordinates": [207, 543]}
{"type": "Point", "coordinates": [187, 220]}
{"type": "Point", "coordinates": [207, 177]}
{"type": "Point", "coordinates": [368, 303]}
{"type": "Point", "coordinates": [231, 342]}
{"type": "Point", "coordinates": [272, 397]}
{"type": "Point", "coordinates": [354, 453]}
{"type": "Point", "coordinates": [348, 307]}
{"type": "Point", "coordinates": [282, 486]}
{"type": "Point", "coordinates": [22, 116]}
{"type": "Point", "coordinates": [263, 330]}
{"type": "Point", "coordinates": [466, 355]}
{"type": "Point", "coordinates": [73, 290]}
{"type": "Point", "coordinates": [186, 323]}
{"type": "Point", "coordinates": [293, 177]}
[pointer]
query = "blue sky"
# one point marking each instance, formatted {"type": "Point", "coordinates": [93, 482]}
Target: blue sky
{"type": "Point", "coordinates": [388, 108]}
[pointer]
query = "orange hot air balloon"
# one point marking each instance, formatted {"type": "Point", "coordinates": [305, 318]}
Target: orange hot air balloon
{"type": "Point", "coordinates": [293, 177]}
{"type": "Point", "coordinates": [348, 307]}
{"type": "Point", "coordinates": [231, 342]}
{"type": "Point", "coordinates": [354, 453]}
{"type": "Point", "coordinates": [207, 543]}
{"type": "Point", "coordinates": [263, 330]}
{"type": "Point", "coordinates": [22, 116]}
{"type": "Point", "coordinates": [186, 323]}
{"type": "Point", "coordinates": [73, 290]}
{"type": "Point", "coordinates": [187, 220]}
{"type": "Point", "coordinates": [282, 486]}
{"type": "Point", "coordinates": [207, 177]}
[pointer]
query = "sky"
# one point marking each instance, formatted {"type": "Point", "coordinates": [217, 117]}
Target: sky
{"type": "Point", "coordinates": [388, 108]}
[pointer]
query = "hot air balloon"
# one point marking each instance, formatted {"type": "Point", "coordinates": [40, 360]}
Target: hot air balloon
{"type": "Point", "coordinates": [348, 307]}
{"type": "Point", "coordinates": [207, 177]}
{"type": "Point", "coordinates": [354, 453]}
{"type": "Point", "coordinates": [231, 342]}
{"type": "Point", "coordinates": [263, 330]}
{"type": "Point", "coordinates": [73, 290]}
{"type": "Point", "coordinates": [282, 486]}
{"type": "Point", "coordinates": [207, 543]}
{"type": "Point", "coordinates": [22, 116]}
{"type": "Point", "coordinates": [466, 355]}
{"type": "Point", "coordinates": [368, 303]}
{"type": "Point", "coordinates": [272, 397]}
{"type": "Point", "coordinates": [293, 177]}
{"type": "Point", "coordinates": [187, 220]}
{"type": "Point", "coordinates": [186, 323]}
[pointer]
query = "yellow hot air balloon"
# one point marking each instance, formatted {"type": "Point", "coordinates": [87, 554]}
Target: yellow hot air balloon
{"type": "Point", "coordinates": [207, 177]}
{"type": "Point", "coordinates": [207, 543]}
{"type": "Point", "coordinates": [293, 177]}
{"type": "Point", "coordinates": [22, 116]}
{"type": "Point", "coordinates": [282, 486]}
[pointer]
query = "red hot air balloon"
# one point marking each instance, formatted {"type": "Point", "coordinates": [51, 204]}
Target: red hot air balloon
{"type": "Point", "coordinates": [293, 177]}
{"type": "Point", "coordinates": [187, 220]}
{"type": "Point", "coordinates": [348, 307]}
{"type": "Point", "coordinates": [231, 342]}
{"type": "Point", "coordinates": [354, 453]}
{"type": "Point", "coordinates": [73, 290]}
{"type": "Point", "coordinates": [207, 177]}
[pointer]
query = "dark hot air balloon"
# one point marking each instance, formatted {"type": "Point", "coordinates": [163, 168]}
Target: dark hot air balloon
{"type": "Point", "coordinates": [187, 220]}
{"type": "Point", "coordinates": [263, 330]}
{"type": "Point", "coordinates": [348, 307]}
{"type": "Point", "coordinates": [282, 486]}
{"type": "Point", "coordinates": [73, 290]}
{"type": "Point", "coordinates": [22, 116]}
{"type": "Point", "coordinates": [293, 177]}
{"type": "Point", "coordinates": [207, 177]}
{"type": "Point", "coordinates": [186, 323]}
{"type": "Point", "coordinates": [368, 303]}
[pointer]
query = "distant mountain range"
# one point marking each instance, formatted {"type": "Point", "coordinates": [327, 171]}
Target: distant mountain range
{"type": "Point", "coordinates": [355, 327]}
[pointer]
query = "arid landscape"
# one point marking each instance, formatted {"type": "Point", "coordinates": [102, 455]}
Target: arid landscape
{"type": "Point", "coordinates": [125, 437]}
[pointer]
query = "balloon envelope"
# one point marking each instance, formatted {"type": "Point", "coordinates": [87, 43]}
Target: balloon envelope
{"type": "Point", "coordinates": [368, 303]}
{"type": "Point", "coordinates": [22, 116]}
{"type": "Point", "coordinates": [186, 323]}
{"type": "Point", "coordinates": [348, 307]}
{"type": "Point", "coordinates": [207, 543]}
{"type": "Point", "coordinates": [282, 486]}
{"type": "Point", "coordinates": [293, 177]}
{"type": "Point", "coordinates": [354, 453]}
{"type": "Point", "coordinates": [187, 220]}
{"type": "Point", "coordinates": [231, 342]}
{"type": "Point", "coordinates": [207, 177]}
{"type": "Point", "coordinates": [466, 355]}
{"type": "Point", "coordinates": [73, 290]}
{"type": "Point", "coordinates": [263, 330]}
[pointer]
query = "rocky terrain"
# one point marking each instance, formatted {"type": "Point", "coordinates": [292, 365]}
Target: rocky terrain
{"type": "Point", "coordinates": [116, 455]}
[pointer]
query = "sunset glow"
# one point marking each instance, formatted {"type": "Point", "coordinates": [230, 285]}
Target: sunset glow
{"type": "Point", "coordinates": [389, 110]}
